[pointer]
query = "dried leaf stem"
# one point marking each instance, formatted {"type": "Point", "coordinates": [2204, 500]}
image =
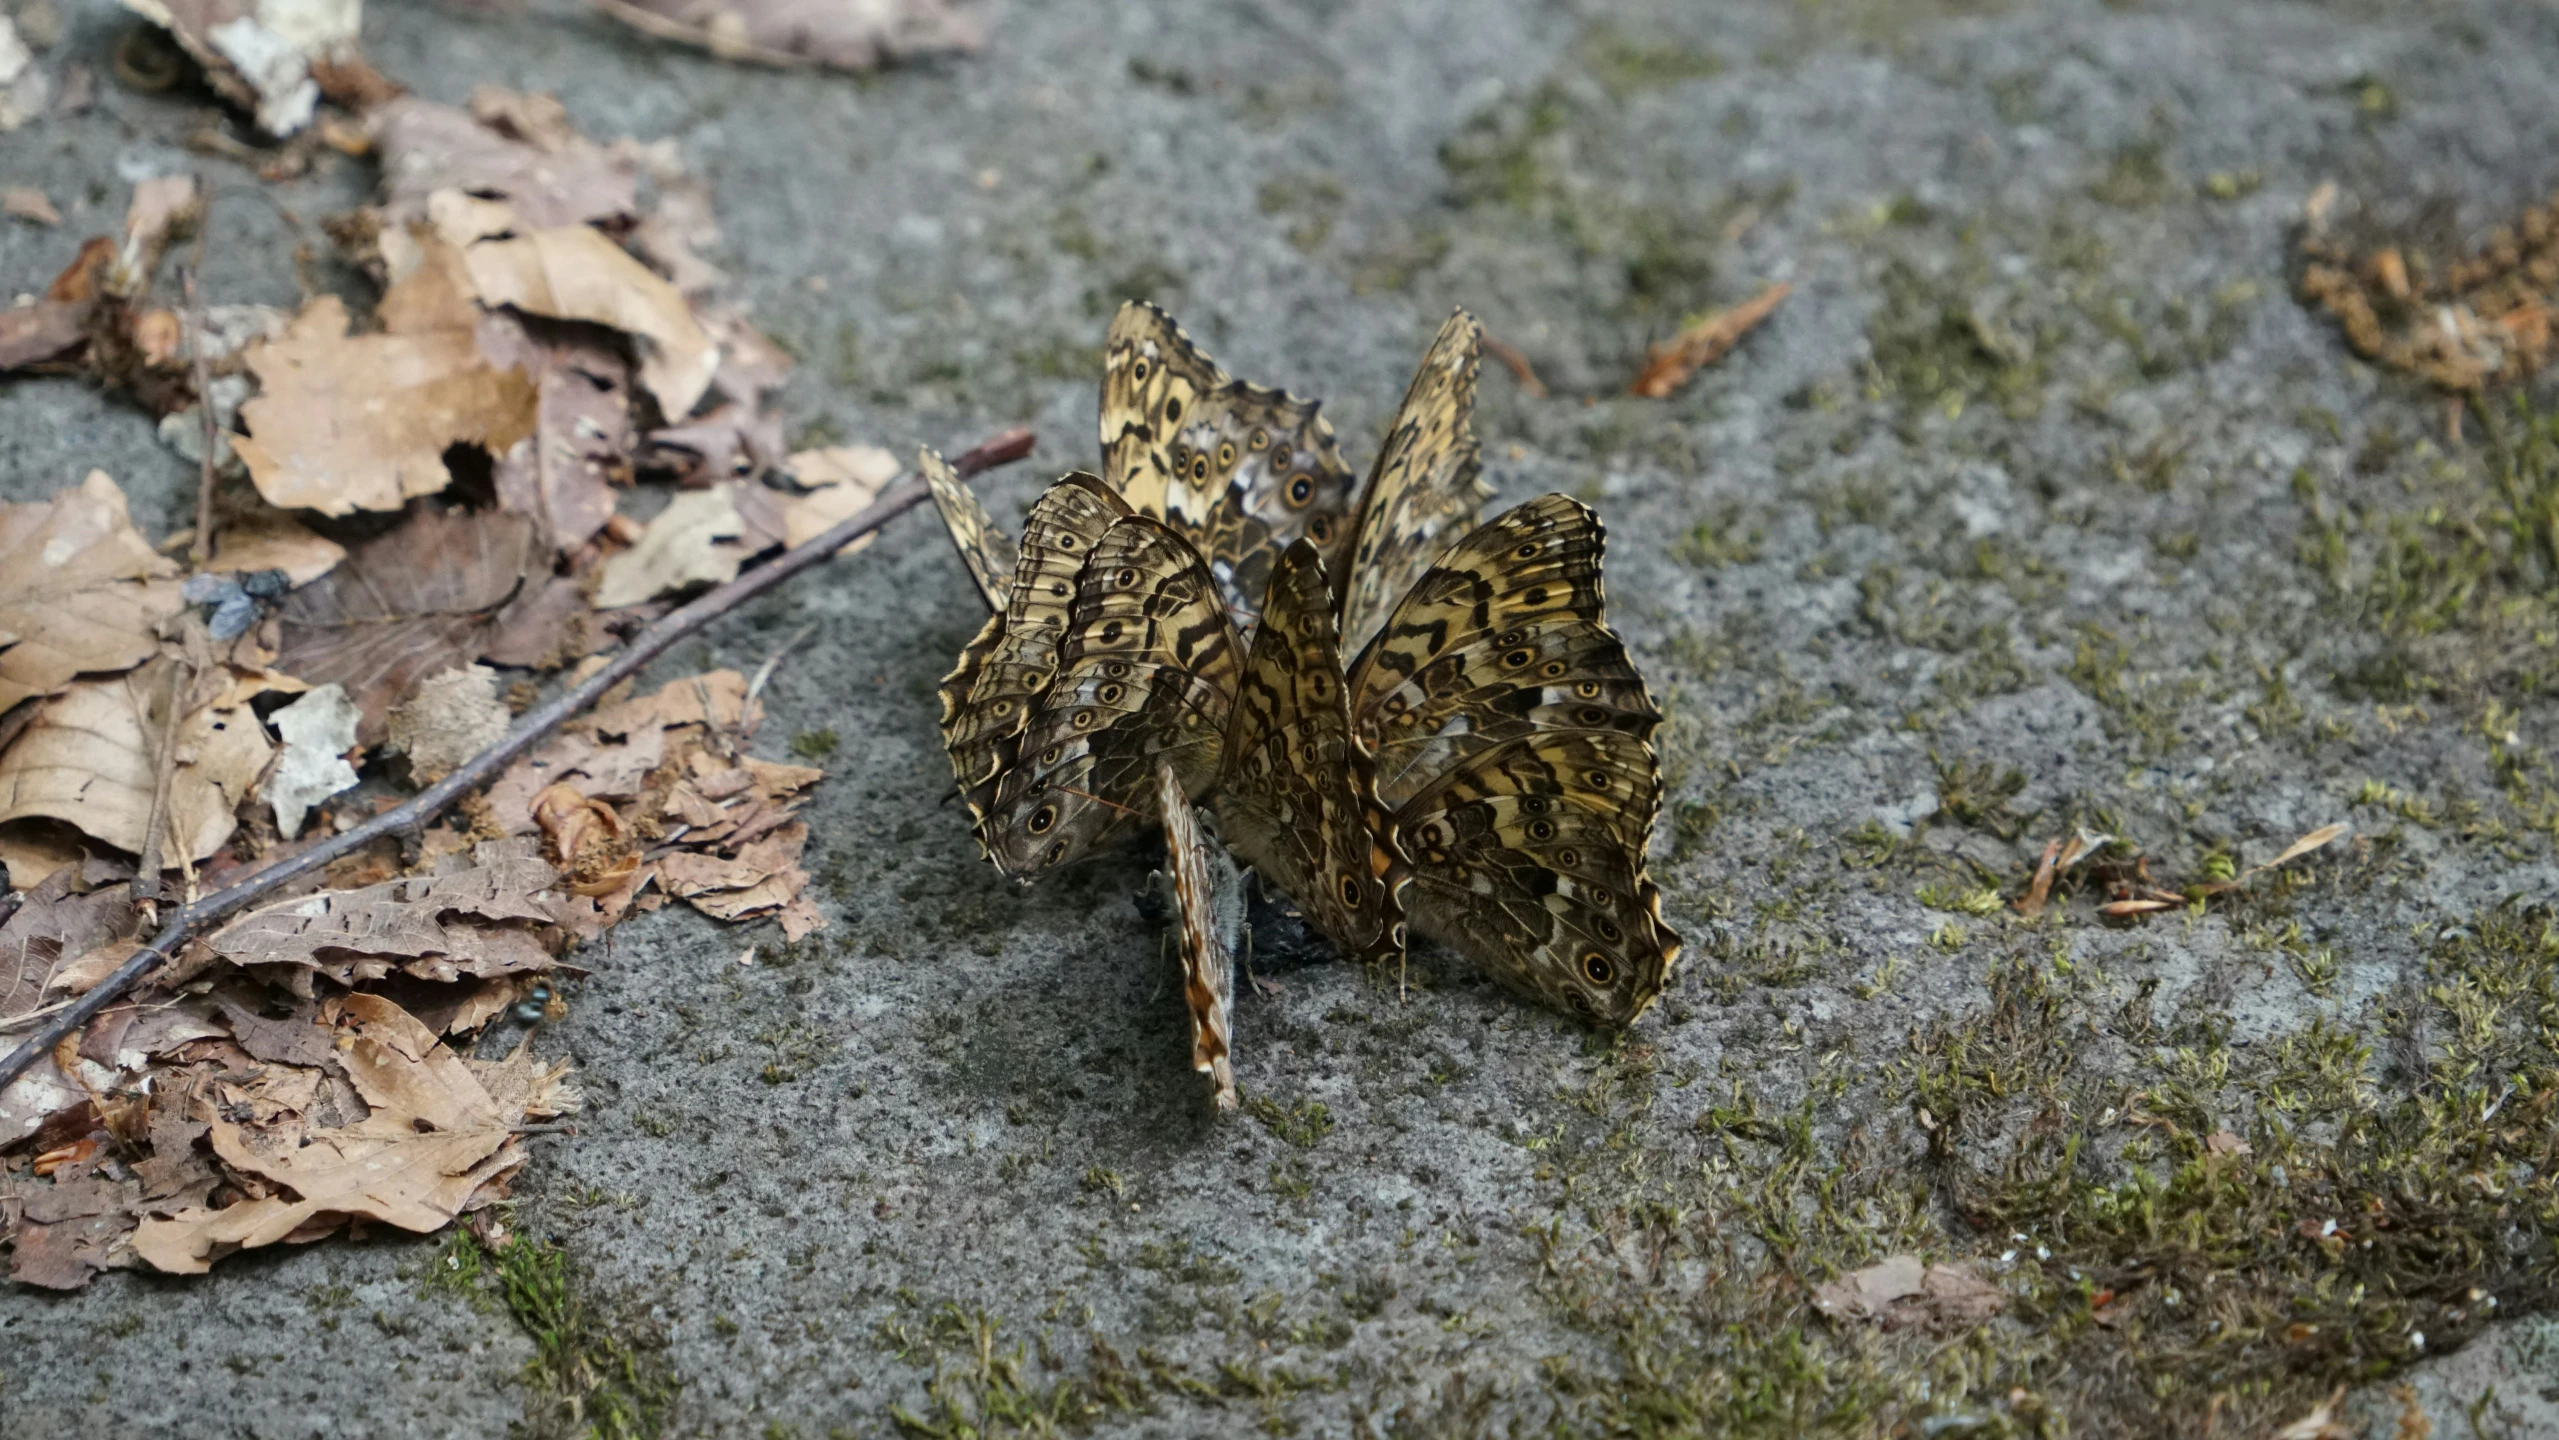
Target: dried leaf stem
{"type": "Point", "coordinates": [200, 548]}
{"type": "Point", "coordinates": [406, 819]}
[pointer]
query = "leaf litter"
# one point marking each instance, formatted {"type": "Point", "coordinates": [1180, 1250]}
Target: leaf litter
{"type": "Point", "coordinates": [402, 497]}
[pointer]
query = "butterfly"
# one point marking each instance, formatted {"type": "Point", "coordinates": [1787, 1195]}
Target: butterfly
{"type": "Point", "coordinates": [1208, 896]}
{"type": "Point", "coordinates": [1241, 470]}
{"type": "Point", "coordinates": [989, 555]}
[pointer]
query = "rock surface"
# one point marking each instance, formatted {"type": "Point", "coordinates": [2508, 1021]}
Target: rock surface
{"type": "Point", "coordinates": [2040, 504]}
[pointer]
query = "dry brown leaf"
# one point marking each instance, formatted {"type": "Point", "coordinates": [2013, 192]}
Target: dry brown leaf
{"type": "Point", "coordinates": [765, 878]}
{"type": "Point", "coordinates": [46, 330]}
{"type": "Point", "coordinates": [589, 837]}
{"type": "Point", "coordinates": [69, 1230]}
{"type": "Point", "coordinates": [434, 1138]}
{"type": "Point", "coordinates": [1866, 1294]}
{"type": "Point", "coordinates": [361, 422]}
{"type": "Point", "coordinates": [319, 733]}
{"type": "Point", "coordinates": [481, 921]}
{"type": "Point", "coordinates": [842, 480]}
{"type": "Point", "coordinates": [700, 538]}
{"type": "Point", "coordinates": [844, 34]}
{"type": "Point", "coordinates": [564, 474]}
{"type": "Point", "coordinates": [733, 440]}
{"type": "Point", "coordinates": [90, 758]}
{"type": "Point", "coordinates": [59, 921]}
{"type": "Point", "coordinates": [1702, 344]}
{"type": "Point", "coordinates": [2321, 1423]}
{"type": "Point", "coordinates": [554, 178]}
{"type": "Point", "coordinates": [573, 272]}
{"type": "Point", "coordinates": [260, 54]}
{"type": "Point", "coordinates": [2317, 839]}
{"type": "Point", "coordinates": [422, 599]}
{"type": "Point", "coordinates": [80, 590]}
{"type": "Point", "coordinates": [454, 715]}
{"type": "Point", "coordinates": [34, 849]}
{"type": "Point", "coordinates": [1901, 1290]}
{"type": "Point", "coordinates": [25, 202]}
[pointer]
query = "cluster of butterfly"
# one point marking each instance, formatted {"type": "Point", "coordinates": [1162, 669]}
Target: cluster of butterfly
{"type": "Point", "coordinates": [1452, 738]}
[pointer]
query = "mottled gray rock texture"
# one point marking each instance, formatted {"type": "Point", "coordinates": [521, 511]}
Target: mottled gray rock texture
{"type": "Point", "coordinates": [2040, 505]}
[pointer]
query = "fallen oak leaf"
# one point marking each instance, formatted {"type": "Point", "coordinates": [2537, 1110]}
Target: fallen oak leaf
{"type": "Point", "coordinates": [841, 479]}
{"type": "Point", "coordinates": [91, 758]}
{"type": "Point", "coordinates": [565, 472]}
{"type": "Point", "coordinates": [573, 272]}
{"type": "Point", "coordinates": [361, 422]}
{"type": "Point", "coordinates": [522, 154]}
{"type": "Point", "coordinates": [57, 922]}
{"type": "Point", "coordinates": [435, 1137]}
{"type": "Point", "coordinates": [80, 590]}
{"type": "Point", "coordinates": [422, 599]}
{"type": "Point", "coordinates": [434, 927]}
{"type": "Point", "coordinates": [843, 34]}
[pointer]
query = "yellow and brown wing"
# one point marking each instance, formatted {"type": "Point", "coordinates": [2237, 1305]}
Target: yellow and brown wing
{"type": "Point", "coordinates": [1528, 858]}
{"type": "Point", "coordinates": [985, 549]}
{"type": "Point", "coordinates": [1146, 673]}
{"type": "Point", "coordinates": [1012, 661]}
{"type": "Point", "coordinates": [1296, 795]}
{"type": "Point", "coordinates": [1505, 635]}
{"type": "Point", "coordinates": [1425, 489]}
{"type": "Point", "coordinates": [1209, 902]}
{"type": "Point", "coordinates": [1241, 470]}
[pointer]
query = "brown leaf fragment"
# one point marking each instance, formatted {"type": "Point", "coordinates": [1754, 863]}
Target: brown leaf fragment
{"type": "Point", "coordinates": [437, 928]}
{"type": "Point", "coordinates": [2317, 839]}
{"type": "Point", "coordinates": [435, 1136]}
{"type": "Point", "coordinates": [2031, 904]}
{"type": "Point", "coordinates": [1866, 1294]}
{"type": "Point", "coordinates": [269, 540]}
{"type": "Point", "coordinates": [841, 480]}
{"type": "Point", "coordinates": [80, 590]}
{"type": "Point", "coordinates": [1704, 342]}
{"type": "Point", "coordinates": [2320, 1423]}
{"type": "Point", "coordinates": [2223, 1142]}
{"type": "Point", "coordinates": [91, 758]}
{"type": "Point", "coordinates": [701, 538]}
{"type": "Point", "coordinates": [25, 202]}
{"type": "Point", "coordinates": [297, 1039]}
{"type": "Point", "coordinates": [843, 34]}
{"type": "Point", "coordinates": [1901, 1291]}
{"type": "Point", "coordinates": [732, 441]}
{"type": "Point", "coordinates": [361, 422]}
{"type": "Point", "coordinates": [69, 1232]}
{"type": "Point", "coordinates": [454, 715]}
{"type": "Point", "coordinates": [546, 626]}
{"type": "Point", "coordinates": [715, 697]}
{"type": "Point", "coordinates": [419, 600]}
{"type": "Point", "coordinates": [523, 153]}
{"type": "Point", "coordinates": [46, 330]}
{"type": "Point", "coordinates": [590, 839]}
{"type": "Point", "coordinates": [573, 272]}
{"type": "Point", "coordinates": [765, 877]}
{"type": "Point", "coordinates": [565, 473]}
{"type": "Point", "coordinates": [40, 1092]}
{"type": "Point", "coordinates": [60, 920]}
{"type": "Point", "coordinates": [1955, 1295]}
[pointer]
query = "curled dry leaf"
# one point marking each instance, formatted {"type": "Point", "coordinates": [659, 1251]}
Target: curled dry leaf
{"type": "Point", "coordinates": [91, 758]}
{"type": "Point", "coordinates": [259, 54]}
{"type": "Point", "coordinates": [700, 538]}
{"type": "Point", "coordinates": [319, 732]}
{"type": "Point", "coordinates": [481, 921]}
{"type": "Point", "coordinates": [1703, 343]}
{"type": "Point", "coordinates": [454, 715]}
{"type": "Point", "coordinates": [523, 154]}
{"type": "Point", "coordinates": [589, 837]}
{"type": "Point", "coordinates": [575, 273]}
{"type": "Point", "coordinates": [844, 34]}
{"type": "Point", "coordinates": [436, 1136]}
{"type": "Point", "coordinates": [565, 472]}
{"type": "Point", "coordinates": [361, 422]}
{"type": "Point", "coordinates": [763, 879]}
{"type": "Point", "coordinates": [422, 599]}
{"type": "Point", "coordinates": [80, 590]}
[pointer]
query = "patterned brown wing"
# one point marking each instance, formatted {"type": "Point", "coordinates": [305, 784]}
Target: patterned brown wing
{"type": "Point", "coordinates": [1504, 635]}
{"type": "Point", "coordinates": [1208, 895]}
{"type": "Point", "coordinates": [1146, 673]}
{"type": "Point", "coordinates": [1297, 796]}
{"type": "Point", "coordinates": [1425, 489]}
{"type": "Point", "coordinates": [1241, 470]}
{"type": "Point", "coordinates": [985, 549]}
{"type": "Point", "coordinates": [987, 698]}
{"type": "Point", "coordinates": [1528, 858]}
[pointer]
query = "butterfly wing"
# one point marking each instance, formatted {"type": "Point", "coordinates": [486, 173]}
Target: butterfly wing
{"type": "Point", "coordinates": [1425, 489]}
{"type": "Point", "coordinates": [1241, 470]}
{"type": "Point", "coordinates": [1528, 858]}
{"type": "Point", "coordinates": [1504, 635]}
{"type": "Point", "coordinates": [989, 554]}
{"type": "Point", "coordinates": [1297, 795]}
{"type": "Point", "coordinates": [1208, 893]}
{"type": "Point", "coordinates": [1146, 673]}
{"type": "Point", "coordinates": [988, 697]}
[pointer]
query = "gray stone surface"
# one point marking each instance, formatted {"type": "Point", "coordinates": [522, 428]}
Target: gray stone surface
{"type": "Point", "coordinates": [2040, 373]}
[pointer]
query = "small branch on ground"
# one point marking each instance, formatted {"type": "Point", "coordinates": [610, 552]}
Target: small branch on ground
{"type": "Point", "coordinates": [200, 549]}
{"type": "Point", "coordinates": [1515, 360]}
{"type": "Point", "coordinates": [412, 816]}
{"type": "Point", "coordinates": [1671, 364]}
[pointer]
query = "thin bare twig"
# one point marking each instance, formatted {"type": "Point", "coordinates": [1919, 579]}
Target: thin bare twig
{"type": "Point", "coordinates": [200, 549]}
{"type": "Point", "coordinates": [146, 874]}
{"type": "Point", "coordinates": [408, 818]}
